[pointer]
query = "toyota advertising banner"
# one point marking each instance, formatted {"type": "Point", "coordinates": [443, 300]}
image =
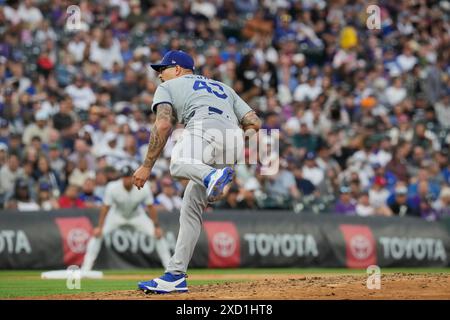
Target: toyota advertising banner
{"type": "Point", "coordinates": [229, 239]}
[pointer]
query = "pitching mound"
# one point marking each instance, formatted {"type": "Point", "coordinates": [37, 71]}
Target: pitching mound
{"type": "Point", "coordinates": [294, 287]}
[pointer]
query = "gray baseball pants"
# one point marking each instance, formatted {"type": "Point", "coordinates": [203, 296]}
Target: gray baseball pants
{"type": "Point", "coordinates": [205, 144]}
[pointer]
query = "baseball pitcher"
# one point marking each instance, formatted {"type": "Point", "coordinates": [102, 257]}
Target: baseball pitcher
{"type": "Point", "coordinates": [210, 111]}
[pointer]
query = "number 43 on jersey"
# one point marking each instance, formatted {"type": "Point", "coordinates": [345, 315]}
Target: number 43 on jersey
{"type": "Point", "coordinates": [210, 86]}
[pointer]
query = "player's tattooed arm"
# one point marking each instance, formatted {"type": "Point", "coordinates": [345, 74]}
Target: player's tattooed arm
{"type": "Point", "coordinates": [251, 121]}
{"type": "Point", "coordinates": [160, 133]}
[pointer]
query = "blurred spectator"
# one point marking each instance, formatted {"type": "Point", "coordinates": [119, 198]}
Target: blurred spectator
{"type": "Point", "coordinates": [46, 200]}
{"type": "Point", "coordinates": [46, 174]}
{"type": "Point", "coordinates": [3, 153]}
{"type": "Point", "coordinates": [311, 171]}
{"type": "Point", "coordinates": [248, 199]}
{"type": "Point", "coordinates": [70, 198]}
{"type": "Point", "coordinates": [38, 129]}
{"type": "Point", "coordinates": [378, 196]}
{"type": "Point", "coordinates": [101, 180]}
{"type": "Point", "coordinates": [363, 207]}
{"type": "Point", "coordinates": [106, 51]}
{"type": "Point", "coordinates": [81, 173]}
{"type": "Point", "coordinates": [305, 186]}
{"type": "Point", "coordinates": [305, 140]}
{"type": "Point", "coordinates": [88, 197]}
{"type": "Point", "coordinates": [231, 199]}
{"type": "Point", "coordinates": [398, 165]}
{"type": "Point", "coordinates": [281, 188]}
{"type": "Point", "coordinates": [21, 199]}
{"type": "Point", "coordinates": [399, 204]}
{"type": "Point", "coordinates": [442, 205]}
{"type": "Point", "coordinates": [10, 172]}
{"type": "Point", "coordinates": [308, 91]}
{"type": "Point", "coordinates": [442, 108]}
{"type": "Point", "coordinates": [346, 205]}
{"type": "Point", "coordinates": [82, 151]}
{"type": "Point", "coordinates": [395, 93]}
{"type": "Point", "coordinates": [81, 93]}
{"type": "Point", "coordinates": [168, 200]}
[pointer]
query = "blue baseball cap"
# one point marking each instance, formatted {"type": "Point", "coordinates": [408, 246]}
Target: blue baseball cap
{"type": "Point", "coordinates": [173, 58]}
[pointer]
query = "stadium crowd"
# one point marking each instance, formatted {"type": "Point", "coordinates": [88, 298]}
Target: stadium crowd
{"type": "Point", "coordinates": [363, 114]}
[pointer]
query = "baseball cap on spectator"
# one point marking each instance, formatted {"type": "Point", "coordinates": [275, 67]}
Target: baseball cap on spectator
{"type": "Point", "coordinates": [344, 189]}
{"type": "Point", "coordinates": [44, 186]}
{"type": "Point", "coordinates": [401, 190]}
{"type": "Point", "coordinates": [3, 146]}
{"type": "Point", "coordinates": [88, 128]}
{"type": "Point", "coordinates": [376, 166]}
{"type": "Point", "coordinates": [298, 57]}
{"type": "Point", "coordinates": [380, 181]}
{"type": "Point", "coordinates": [143, 129]}
{"type": "Point", "coordinates": [110, 136]}
{"type": "Point", "coordinates": [121, 119]}
{"type": "Point", "coordinates": [41, 115]}
{"type": "Point", "coordinates": [173, 58]}
{"type": "Point", "coordinates": [21, 183]}
{"type": "Point", "coordinates": [126, 171]}
{"type": "Point", "coordinates": [310, 155]}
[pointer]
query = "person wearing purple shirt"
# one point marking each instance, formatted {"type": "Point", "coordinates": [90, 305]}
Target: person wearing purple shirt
{"type": "Point", "coordinates": [346, 205]}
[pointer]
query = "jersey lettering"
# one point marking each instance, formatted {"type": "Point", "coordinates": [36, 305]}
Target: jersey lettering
{"type": "Point", "coordinates": [200, 85]}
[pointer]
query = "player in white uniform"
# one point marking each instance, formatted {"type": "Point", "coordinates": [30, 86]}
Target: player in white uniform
{"type": "Point", "coordinates": [203, 105]}
{"type": "Point", "coordinates": [122, 205]}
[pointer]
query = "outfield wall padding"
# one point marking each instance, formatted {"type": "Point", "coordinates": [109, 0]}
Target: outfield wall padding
{"type": "Point", "coordinates": [229, 239]}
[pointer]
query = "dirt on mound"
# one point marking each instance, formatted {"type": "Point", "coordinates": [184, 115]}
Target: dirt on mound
{"type": "Point", "coordinates": [293, 287]}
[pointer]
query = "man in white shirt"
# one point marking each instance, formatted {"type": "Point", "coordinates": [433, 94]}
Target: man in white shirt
{"type": "Point", "coordinates": [81, 94]}
{"type": "Point", "coordinates": [307, 91]}
{"type": "Point", "coordinates": [311, 171]}
{"type": "Point", "coordinates": [406, 60]}
{"type": "Point", "coordinates": [395, 93]}
{"type": "Point", "coordinates": [40, 128]}
{"type": "Point", "coordinates": [10, 172]}
{"type": "Point", "coordinates": [30, 14]}
{"type": "Point", "coordinates": [122, 206]}
{"type": "Point", "coordinates": [442, 109]}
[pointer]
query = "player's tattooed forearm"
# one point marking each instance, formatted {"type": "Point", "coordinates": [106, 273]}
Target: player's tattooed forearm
{"type": "Point", "coordinates": [251, 120]}
{"type": "Point", "coordinates": [158, 138]}
{"type": "Point", "coordinates": [165, 112]}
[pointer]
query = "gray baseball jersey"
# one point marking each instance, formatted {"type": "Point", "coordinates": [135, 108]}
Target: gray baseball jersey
{"type": "Point", "coordinates": [192, 94]}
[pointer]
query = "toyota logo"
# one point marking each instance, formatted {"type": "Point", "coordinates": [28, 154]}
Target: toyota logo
{"type": "Point", "coordinates": [360, 247]}
{"type": "Point", "coordinates": [77, 240]}
{"type": "Point", "coordinates": [224, 245]}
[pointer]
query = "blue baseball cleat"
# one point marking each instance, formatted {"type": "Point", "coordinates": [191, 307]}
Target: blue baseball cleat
{"type": "Point", "coordinates": [216, 181]}
{"type": "Point", "coordinates": [167, 283]}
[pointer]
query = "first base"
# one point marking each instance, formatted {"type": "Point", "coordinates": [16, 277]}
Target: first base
{"type": "Point", "coordinates": [64, 274]}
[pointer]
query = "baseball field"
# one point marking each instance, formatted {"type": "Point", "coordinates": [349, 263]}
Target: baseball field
{"type": "Point", "coordinates": [233, 284]}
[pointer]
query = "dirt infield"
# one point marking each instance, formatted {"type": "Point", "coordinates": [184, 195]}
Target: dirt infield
{"type": "Point", "coordinates": [291, 287]}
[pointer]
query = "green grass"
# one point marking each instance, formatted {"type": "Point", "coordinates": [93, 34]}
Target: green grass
{"type": "Point", "coordinates": [21, 283]}
{"type": "Point", "coordinates": [36, 287]}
